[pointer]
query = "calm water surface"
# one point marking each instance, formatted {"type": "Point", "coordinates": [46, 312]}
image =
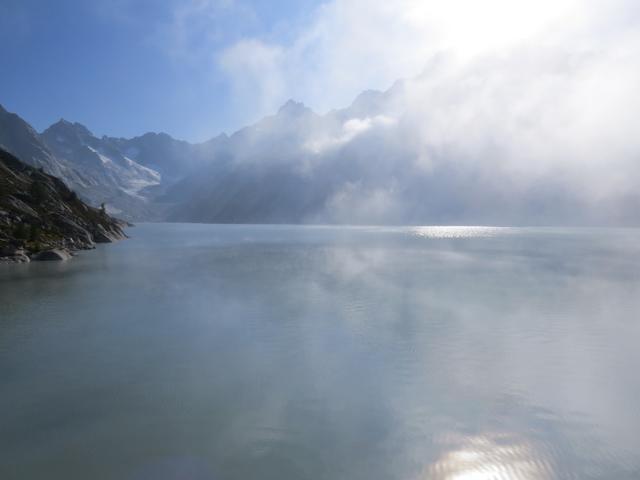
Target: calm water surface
{"type": "Point", "coordinates": [195, 352]}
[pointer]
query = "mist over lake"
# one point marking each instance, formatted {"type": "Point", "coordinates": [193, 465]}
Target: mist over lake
{"type": "Point", "coordinates": [280, 352]}
{"type": "Point", "coordinates": [228, 247]}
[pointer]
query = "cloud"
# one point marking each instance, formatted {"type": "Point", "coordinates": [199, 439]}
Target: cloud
{"type": "Point", "coordinates": [356, 203]}
{"type": "Point", "coordinates": [537, 111]}
{"type": "Point", "coordinates": [201, 25]}
{"type": "Point", "coordinates": [352, 45]}
{"type": "Point", "coordinates": [256, 69]}
{"type": "Point", "coordinates": [351, 129]}
{"type": "Point", "coordinates": [522, 93]}
{"type": "Point", "coordinates": [511, 111]}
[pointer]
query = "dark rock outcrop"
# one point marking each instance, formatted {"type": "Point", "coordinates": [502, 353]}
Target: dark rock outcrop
{"type": "Point", "coordinates": [55, 255]}
{"type": "Point", "coordinates": [42, 219]}
{"type": "Point", "coordinates": [12, 253]}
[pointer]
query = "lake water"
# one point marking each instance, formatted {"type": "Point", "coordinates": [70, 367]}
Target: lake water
{"type": "Point", "coordinates": [200, 352]}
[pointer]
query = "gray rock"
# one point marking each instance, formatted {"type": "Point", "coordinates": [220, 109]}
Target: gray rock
{"type": "Point", "coordinates": [21, 258]}
{"type": "Point", "coordinates": [101, 235]}
{"type": "Point", "coordinates": [43, 208]}
{"type": "Point", "coordinates": [22, 207]}
{"type": "Point", "coordinates": [56, 255]}
{"type": "Point", "coordinates": [15, 259]}
{"type": "Point", "coordinates": [74, 231]}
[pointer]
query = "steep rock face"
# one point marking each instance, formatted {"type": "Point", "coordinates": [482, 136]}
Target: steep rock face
{"type": "Point", "coordinates": [20, 139]}
{"type": "Point", "coordinates": [125, 174]}
{"type": "Point", "coordinates": [38, 212]}
{"type": "Point", "coordinates": [108, 176]}
{"type": "Point", "coordinates": [97, 180]}
{"type": "Point", "coordinates": [99, 158]}
{"type": "Point", "coordinates": [267, 172]}
{"type": "Point", "coordinates": [171, 158]}
{"type": "Point", "coordinates": [55, 255]}
{"type": "Point", "coordinates": [385, 159]}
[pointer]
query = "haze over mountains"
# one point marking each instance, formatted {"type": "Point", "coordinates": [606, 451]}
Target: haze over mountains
{"type": "Point", "coordinates": [118, 172]}
{"type": "Point", "coordinates": [409, 155]}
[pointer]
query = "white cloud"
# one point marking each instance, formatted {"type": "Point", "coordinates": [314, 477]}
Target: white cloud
{"type": "Point", "coordinates": [528, 88]}
{"type": "Point", "coordinates": [509, 101]}
{"type": "Point", "coordinates": [356, 203]}
{"type": "Point", "coordinates": [352, 45]}
{"type": "Point", "coordinates": [257, 72]}
{"type": "Point", "coordinates": [351, 129]}
{"type": "Point", "coordinates": [197, 29]}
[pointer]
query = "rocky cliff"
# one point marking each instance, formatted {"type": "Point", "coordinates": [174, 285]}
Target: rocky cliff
{"type": "Point", "coordinates": [42, 219]}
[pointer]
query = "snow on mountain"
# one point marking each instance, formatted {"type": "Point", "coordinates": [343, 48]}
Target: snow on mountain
{"type": "Point", "coordinates": [479, 143]}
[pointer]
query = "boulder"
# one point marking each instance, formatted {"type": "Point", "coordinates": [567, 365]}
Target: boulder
{"type": "Point", "coordinates": [74, 232]}
{"type": "Point", "coordinates": [55, 255]}
{"type": "Point", "coordinates": [102, 235]}
{"type": "Point", "coordinates": [15, 259]}
{"type": "Point", "coordinates": [18, 205]}
{"type": "Point", "coordinates": [22, 258]}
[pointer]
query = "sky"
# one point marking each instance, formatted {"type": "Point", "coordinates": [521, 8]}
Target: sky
{"type": "Point", "coordinates": [125, 67]}
{"type": "Point", "coordinates": [195, 68]}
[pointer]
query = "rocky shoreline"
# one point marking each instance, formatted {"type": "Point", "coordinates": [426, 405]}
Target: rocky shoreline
{"type": "Point", "coordinates": [41, 219]}
{"type": "Point", "coordinates": [69, 248]}
{"type": "Point", "coordinates": [20, 255]}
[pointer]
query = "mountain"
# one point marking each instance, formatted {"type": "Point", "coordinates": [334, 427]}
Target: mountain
{"type": "Point", "coordinates": [451, 146]}
{"type": "Point", "coordinates": [254, 176]}
{"type": "Point", "coordinates": [160, 152]}
{"type": "Point", "coordinates": [300, 167]}
{"type": "Point", "coordinates": [107, 175]}
{"type": "Point", "coordinates": [21, 139]}
{"type": "Point", "coordinates": [124, 174]}
{"type": "Point", "coordinates": [39, 214]}
{"type": "Point", "coordinates": [413, 155]}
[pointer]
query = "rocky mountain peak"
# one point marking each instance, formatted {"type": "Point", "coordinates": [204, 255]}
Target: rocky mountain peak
{"type": "Point", "coordinates": [294, 109]}
{"type": "Point", "coordinates": [65, 130]}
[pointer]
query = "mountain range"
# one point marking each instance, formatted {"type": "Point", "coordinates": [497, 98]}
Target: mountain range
{"type": "Point", "coordinates": [402, 156]}
{"type": "Point", "coordinates": [121, 173]}
{"type": "Point", "coordinates": [42, 219]}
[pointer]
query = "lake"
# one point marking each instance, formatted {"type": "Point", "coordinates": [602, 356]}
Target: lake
{"type": "Point", "coordinates": [203, 352]}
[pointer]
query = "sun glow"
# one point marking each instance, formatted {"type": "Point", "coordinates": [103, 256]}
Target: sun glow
{"type": "Point", "coordinates": [470, 27]}
{"type": "Point", "coordinates": [490, 457]}
{"type": "Point", "coordinates": [460, 231]}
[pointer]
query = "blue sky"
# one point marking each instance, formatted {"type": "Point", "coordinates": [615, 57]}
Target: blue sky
{"type": "Point", "coordinates": [125, 67]}
{"type": "Point", "coordinates": [195, 68]}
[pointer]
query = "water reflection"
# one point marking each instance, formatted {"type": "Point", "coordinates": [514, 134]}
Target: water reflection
{"type": "Point", "coordinates": [461, 232]}
{"type": "Point", "coordinates": [493, 456]}
{"type": "Point", "coordinates": [319, 353]}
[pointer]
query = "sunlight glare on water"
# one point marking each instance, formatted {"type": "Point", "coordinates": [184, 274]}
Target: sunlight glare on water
{"type": "Point", "coordinates": [490, 457]}
{"type": "Point", "coordinates": [459, 231]}
{"type": "Point", "coordinates": [209, 352]}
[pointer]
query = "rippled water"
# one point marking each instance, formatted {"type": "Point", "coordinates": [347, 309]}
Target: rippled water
{"type": "Point", "coordinates": [195, 352]}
